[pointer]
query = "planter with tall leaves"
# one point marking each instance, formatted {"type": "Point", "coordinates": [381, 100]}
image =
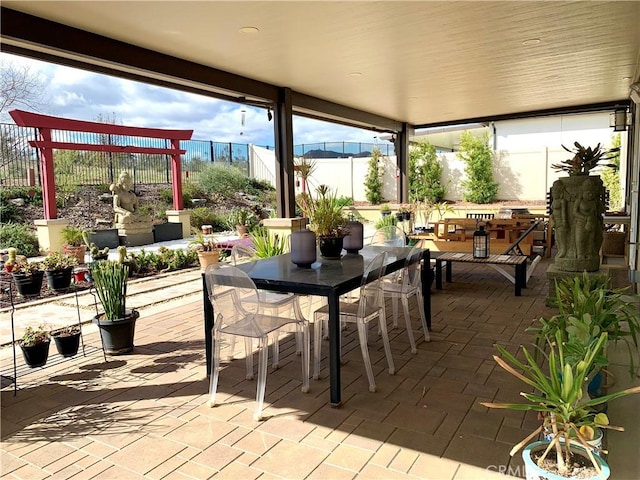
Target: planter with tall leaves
{"type": "Point", "coordinates": [326, 219]}
{"type": "Point", "coordinates": [568, 416]}
{"type": "Point", "coordinates": [116, 324]}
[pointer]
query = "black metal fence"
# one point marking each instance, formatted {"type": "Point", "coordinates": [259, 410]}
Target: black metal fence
{"type": "Point", "coordinates": [341, 149]}
{"type": "Point", "coordinates": [20, 165]}
{"type": "Point", "coordinates": [19, 162]}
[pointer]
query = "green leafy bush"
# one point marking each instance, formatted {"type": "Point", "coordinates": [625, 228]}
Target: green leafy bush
{"type": "Point", "coordinates": [344, 201]}
{"type": "Point", "coordinates": [9, 212]}
{"type": "Point", "coordinates": [205, 216]}
{"type": "Point", "coordinates": [35, 198]}
{"type": "Point", "coordinates": [373, 180]}
{"type": "Point", "coordinates": [425, 174]}
{"type": "Point", "coordinates": [20, 237]}
{"type": "Point", "coordinates": [225, 181]}
{"type": "Point", "coordinates": [478, 157]}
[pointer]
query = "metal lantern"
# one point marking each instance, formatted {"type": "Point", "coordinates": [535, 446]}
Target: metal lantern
{"type": "Point", "coordinates": [480, 243]}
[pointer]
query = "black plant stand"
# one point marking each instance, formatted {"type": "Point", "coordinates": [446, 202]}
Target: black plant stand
{"type": "Point", "coordinates": [6, 287]}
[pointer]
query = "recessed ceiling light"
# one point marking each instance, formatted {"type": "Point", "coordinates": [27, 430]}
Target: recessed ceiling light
{"type": "Point", "coordinates": [249, 30]}
{"type": "Point", "coordinates": [626, 78]}
{"type": "Point", "coordinates": [413, 98]}
{"type": "Point", "coordinates": [355, 74]}
{"type": "Point", "coordinates": [531, 41]}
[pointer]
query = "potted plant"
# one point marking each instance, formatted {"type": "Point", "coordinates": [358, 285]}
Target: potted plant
{"type": "Point", "coordinates": [567, 414]}
{"type": "Point", "coordinates": [58, 268]}
{"type": "Point", "coordinates": [241, 219]}
{"type": "Point", "coordinates": [385, 209]}
{"type": "Point", "coordinates": [35, 346]}
{"type": "Point", "coordinates": [207, 248]}
{"type": "Point", "coordinates": [577, 207]}
{"type": "Point", "coordinates": [28, 277]}
{"type": "Point", "coordinates": [116, 323]}
{"type": "Point", "coordinates": [74, 243]}
{"type": "Point", "coordinates": [267, 245]}
{"type": "Point", "coordinates": [325, 219]}
{"type": "Point", "coordinates": [608, 310]}
{"type": "Point", "coordinates": [67, 340]}
{"type": "Point", "coordinates": [95, 252]}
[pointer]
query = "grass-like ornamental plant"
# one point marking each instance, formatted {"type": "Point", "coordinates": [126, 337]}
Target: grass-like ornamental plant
{"type": "Point", "coordinates": [110, 281]}
{"type": "Point", "coordinates": [268, 245]}
{"type": "Point", "coordinates": [324, 212]}
{"type": "Point", "coordinates": [560, 398]}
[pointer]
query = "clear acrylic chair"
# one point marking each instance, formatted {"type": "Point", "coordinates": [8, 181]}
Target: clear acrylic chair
{"type": "Point", "coordinates": [406, 285]}
{"type": "Point", "coordinates": [275, 301]}
{"type": "Point", "coordinates": [238, 311]}
{"type": "Point", "coordinates": [370, 306]}
{"type": "Point", "coordinates": [391, 236]}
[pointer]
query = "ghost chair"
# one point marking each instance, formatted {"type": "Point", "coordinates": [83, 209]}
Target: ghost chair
{"type": "Point", "coordinates": [370, 306]}
{"type": "Point", "coordinates": [238, 311]}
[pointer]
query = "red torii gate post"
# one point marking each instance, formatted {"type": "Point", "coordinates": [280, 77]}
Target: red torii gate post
{"type": "Point", "coordinates": [50, 228]}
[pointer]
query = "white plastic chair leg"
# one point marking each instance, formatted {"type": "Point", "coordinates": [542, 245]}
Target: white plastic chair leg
{"type": "Point", "coordinates": [362, 333]}
{"type": "Point", "coordinates": [394, 304]}
{"type": "Point", "coordinates": [423, 317]}
{"type": "Point", "coordinates": [276, 350]}
{"type": "Point", "coordinates": [385, 342]}
{"type": "Point", "coordinates": [263, 357]}
{"type": "Point", "coordinates": [248, 355]}
{"type": "Point", "coordinates": [215, 367]}
{"type": "Point", "coordinates": [305, 356]}
{"type": "Point", "coordinates": [317, 344]}
{"type": "Point", "coordinates": [405, 307]}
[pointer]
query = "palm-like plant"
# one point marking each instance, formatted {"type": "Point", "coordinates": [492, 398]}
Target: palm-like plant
{"type": "Point", "coordinates": [324, 213]}
{"type": "Point", "coordinates": [559, 396]}
{"type": "Point", "coordinates": [585, 159]}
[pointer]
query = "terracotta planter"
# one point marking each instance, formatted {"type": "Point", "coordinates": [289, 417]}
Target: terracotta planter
{"type": "Point", "coordinates": [242, 230]}
{"type": "Point", "coordinates": [77, 252]}
{"type": "Point", "coordinates": [207, 258]}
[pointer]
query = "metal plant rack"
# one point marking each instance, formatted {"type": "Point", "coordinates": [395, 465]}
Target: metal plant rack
{"type": "Point", "coordinates": [56, 359]}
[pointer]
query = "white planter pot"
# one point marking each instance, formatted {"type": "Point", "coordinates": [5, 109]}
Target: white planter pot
{"type": "Point", "coordinates": [533, 472]}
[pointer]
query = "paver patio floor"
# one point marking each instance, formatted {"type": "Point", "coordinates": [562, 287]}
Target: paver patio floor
{"type": "Point", "coordinates": [144, 415]}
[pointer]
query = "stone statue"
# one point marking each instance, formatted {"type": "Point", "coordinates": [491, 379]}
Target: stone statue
{"type": "Point", "coordinates": [577, 210]}
{"type": "Point", "coordinates": [133, 228]}
{"type": "Point", "coordinates": [125, 201]}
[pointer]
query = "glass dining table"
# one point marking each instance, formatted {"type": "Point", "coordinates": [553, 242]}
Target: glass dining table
{"type": "Point", "coordinates": [327, 278]}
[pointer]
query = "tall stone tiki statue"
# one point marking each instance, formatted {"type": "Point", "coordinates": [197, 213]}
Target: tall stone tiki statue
{"type": "Point", "coordinates": [577, 209]}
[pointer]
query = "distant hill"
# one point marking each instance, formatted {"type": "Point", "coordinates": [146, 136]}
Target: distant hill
{"type": "Point", "coordinates": [331, 154]}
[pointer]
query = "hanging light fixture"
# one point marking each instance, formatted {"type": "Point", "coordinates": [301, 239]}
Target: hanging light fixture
{"type": "Point", "coordinates": [620, 119]}
{"type": "Point", "coordinates": [481, 243]}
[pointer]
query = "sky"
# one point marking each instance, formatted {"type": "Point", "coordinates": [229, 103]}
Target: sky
{"type": "Point", "coordinates": [83, 95]}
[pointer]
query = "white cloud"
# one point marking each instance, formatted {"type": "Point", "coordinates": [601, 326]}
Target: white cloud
{"type": "Point", "coordinates": [86, 95]}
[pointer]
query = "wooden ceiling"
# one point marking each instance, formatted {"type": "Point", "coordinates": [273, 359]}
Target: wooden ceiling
{"type": "Point", "coordinates": [417, 62]}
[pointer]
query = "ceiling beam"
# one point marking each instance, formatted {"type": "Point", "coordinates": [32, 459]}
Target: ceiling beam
{"type": "Point", "coordinates": [590, 108]}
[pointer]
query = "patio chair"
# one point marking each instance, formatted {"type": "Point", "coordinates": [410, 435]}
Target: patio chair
{"type": "Point", "coordinates": [391, 236]}
{"type": "Point", "coordinates": [407, 284]}
{"type": "Point", "coordinates": [240, 312]}
{"type": "Point", "coordinates": [275, 301]}
{"type": "Point", "coordinates": [370, 306]}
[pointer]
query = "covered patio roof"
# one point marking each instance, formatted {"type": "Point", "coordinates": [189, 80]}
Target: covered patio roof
{"type": "Point", "coordinates": [388, 66]}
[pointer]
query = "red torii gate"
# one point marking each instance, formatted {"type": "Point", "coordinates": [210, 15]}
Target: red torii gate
{"type": "Point", "coordinates": [46, 123]}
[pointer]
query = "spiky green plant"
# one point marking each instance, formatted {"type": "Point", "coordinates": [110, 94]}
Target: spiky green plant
{"type": "Point", "coordinates": [266, 244]}
{"type": "Point", "coordinates": [110, 281]}
{"type": "Point", "coordinates": [559, 397]}
{"type": "Point", "coordinates": [586, 159]}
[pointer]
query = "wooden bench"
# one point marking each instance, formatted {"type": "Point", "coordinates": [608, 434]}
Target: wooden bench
{"type": "Point", "coordinates": [517, 261]}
